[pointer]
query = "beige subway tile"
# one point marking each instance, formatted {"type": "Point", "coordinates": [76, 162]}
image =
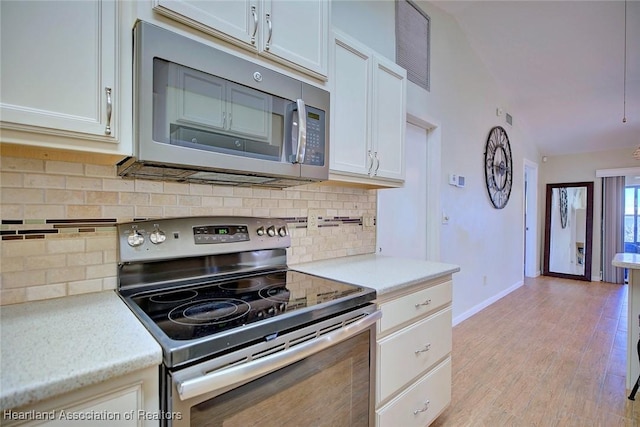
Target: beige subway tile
{"type": "Point", "coordinates": [109, 283]}
{"type": "Point", "coordinates": [21, 164]}
{"type": "Point", "coordinates": [38, 262]}
{"type": "Point", "coordinates": [21, 279]}
{"type": "Point", "coordinates": [102, 197]}
{"type": "Point", "coordinates": [232, 202]}
{"type": "Point", "coordinates": [13, 296]}
{"type": "Point", "coordinates": [251, 203]}
{"type": "Point", "coordinates": [11, 179]}
{"type": "Point", "coordinates": [221, 190]}
{"type": "Point", "coordinates": [84, 286]}
{"type": "Point", "coordinates": [64, 245]}
{"type": "Point", "coordinates": [163, 199]}
{"type": "Point", "coordinates": [12, 263]}
{"type": "Point", "coordinates": [22, 195]}
{"type": "Point", "coordinates": [43, 211]}
{"type": "Point", "coordinates": [134, 199]}
{"type": "Point", "coordinates": [176, 188]}
{"type": "Point", "coordinates": [277, 212]}
{"type": "Point", "coordinates": [102, 171]}
{"type": "Point", "coordinates": [23, 248]}
{"type": "Point", "coordinates": [269, 203]}
{"type": "Point", "coordinates": [199, 189]}
{"type": "Point", "coordinates": [83, 183]}
{"type": "Point", "coordinates": [283, 203]}
{"type": "Point", "coordinates": [119, 184]}
{"type": "Point", "coordinates": [176, 211]}
{"type": "Point", "coordinates": [189, 200]}
{"type": "Point", "coordinates": [261, 193]}
{"type": "Point", "coordinates": [109, 256]}
{"type": "Point", "coordinates": [242, 212]}
{"type": "Point", "coordinates": [120, 213]}
{"type": "Point", "coordinates": [146, 186]}
{"type": "Point", "coordinates": [65, 168]}
{"type": "Point", "coordinates": [12, 211]}
{"type": "Point", "coordinates": [82, 259]}
{"type": "Point", "coordinates": [149, 212]}
{"type": "Point", "coordinates": [65, 274]}
{"type": "Point", "coordinates": [36, 293]}
{"type": "Point", "coordinates": [44, 181]}
{"type": "Point", "coordinates": [101, 271]}
{"type": "Point", "coordinates": [212, 201]}
{"type": "Point", "coordinates": [242, 192]}
{"type": "Point", "coordinates": [64, 197]}
{"type": "Point", "coordinates": [83, 211]}
{"type": "Point", "coordinates": [95, 244]}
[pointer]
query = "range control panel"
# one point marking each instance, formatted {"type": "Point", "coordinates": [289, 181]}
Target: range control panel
{"type": "Point", "coordinates": [198, 236]}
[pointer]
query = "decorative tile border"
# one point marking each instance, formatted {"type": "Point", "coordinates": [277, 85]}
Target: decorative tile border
{"type": "Point", "coordinates": [16, 229]}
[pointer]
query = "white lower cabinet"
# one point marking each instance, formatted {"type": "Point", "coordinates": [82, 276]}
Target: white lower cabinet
{"type": "Point", "coordinates": [130, 400]}
{"type": "Point", "coordinates": [413, 382]}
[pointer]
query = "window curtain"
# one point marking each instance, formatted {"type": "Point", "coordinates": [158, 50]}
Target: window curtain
{"type": "Point", "coordinates": [612, 227]}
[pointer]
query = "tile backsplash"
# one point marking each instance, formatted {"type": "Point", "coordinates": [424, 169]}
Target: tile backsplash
{"type": "Point", "coordinates": [59, 238]}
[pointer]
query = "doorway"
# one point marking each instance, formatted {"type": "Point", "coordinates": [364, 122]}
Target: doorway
{"type": "Point", "coordinates": [530, 220]}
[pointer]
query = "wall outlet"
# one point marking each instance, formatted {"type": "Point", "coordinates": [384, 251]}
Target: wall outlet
{"type": "Point", "coordinates": [368, 221]}
{"type": "Point", "coordinates": [312, 219]}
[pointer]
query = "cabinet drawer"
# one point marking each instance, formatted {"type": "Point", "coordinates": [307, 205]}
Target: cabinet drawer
{"type": "Point", "coordinates": [421, 403]}
{"type": "Point", "coordinates": [403, 309]}
{"type": "Point", "coordinates": [406, 354]}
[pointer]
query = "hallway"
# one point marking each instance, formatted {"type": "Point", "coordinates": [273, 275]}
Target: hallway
{"type": "Point", "coordinates": [551, 353]}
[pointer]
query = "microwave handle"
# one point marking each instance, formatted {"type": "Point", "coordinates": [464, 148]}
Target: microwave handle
{"type": "Point", "coordinates": [301, 135]}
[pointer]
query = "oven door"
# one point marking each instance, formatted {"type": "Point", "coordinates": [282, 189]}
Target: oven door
{"type": "Point", "coordinates": [319, 375]}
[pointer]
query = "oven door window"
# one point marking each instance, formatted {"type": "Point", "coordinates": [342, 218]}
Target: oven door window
{"type": "Point", "coordinates": [202, 111]}
{"type": "Point", "coordinates": [332, 387]}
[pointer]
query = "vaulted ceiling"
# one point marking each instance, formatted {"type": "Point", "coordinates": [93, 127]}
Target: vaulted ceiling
{"type": "Point", "coordinates": [561, 65]}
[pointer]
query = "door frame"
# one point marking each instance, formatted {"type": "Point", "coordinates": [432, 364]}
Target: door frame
{"type": "Point", "coordinates": [530, 255]}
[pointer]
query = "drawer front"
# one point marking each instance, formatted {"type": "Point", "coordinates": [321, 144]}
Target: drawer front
{"type": "Point", "coordinates": [403, 309]}
{"type": "Point", "coordinates": [408, 353]}
{"type": "Point", "coordinates": [421, 403]}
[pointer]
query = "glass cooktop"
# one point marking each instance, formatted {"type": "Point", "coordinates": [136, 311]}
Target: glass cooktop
{"type": "Point", "coordinates": [209, 309]}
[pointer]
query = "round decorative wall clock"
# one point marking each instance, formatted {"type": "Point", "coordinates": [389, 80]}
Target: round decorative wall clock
{"type": "Point", "coordinates": [498, 167]}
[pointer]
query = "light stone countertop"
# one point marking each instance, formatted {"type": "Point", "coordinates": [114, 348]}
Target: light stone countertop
{"type": "Point", "coordinates": [626, 260]}
{"type": "Point", "coordinates": [55, 346]}
{"type": "Point", "coordinates": [382, 273]}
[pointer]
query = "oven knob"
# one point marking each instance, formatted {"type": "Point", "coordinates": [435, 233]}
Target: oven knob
{"type": "Point", "coordinates": [271, 311]}
{"type": "Point", "coordinates": [260, 231]}
{"type": "Point", "coordinates": [157, 236]}
{"type": "Point", "coordinates": [271, 231]}
{"type": "Point", "coordinates": [282, 231]}
{"type": "Point", "coordinates": [135, 239]}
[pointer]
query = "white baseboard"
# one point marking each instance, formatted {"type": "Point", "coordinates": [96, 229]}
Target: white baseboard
{"type": "Point", "coordinates": [486, 303]}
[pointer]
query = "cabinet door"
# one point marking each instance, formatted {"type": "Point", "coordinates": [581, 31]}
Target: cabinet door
{"type": "Point", "coordinates": [233, 20]}
{"type": "Point", "coordinates": [389, 118]}
{"type": "Point", "coordinates": [297, 31]}
{"type": "Point", "coordinates": [351, 77]}
{"type": "Point", "coordinates": [59, 78]}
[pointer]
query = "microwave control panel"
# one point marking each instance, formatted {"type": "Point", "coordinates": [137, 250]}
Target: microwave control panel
{"type": "Point", "coordinates": [316, 138]}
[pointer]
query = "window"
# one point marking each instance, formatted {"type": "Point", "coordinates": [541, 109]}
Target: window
{"type": "Point", "coordinates": [413, 42]}
{"type": "Point", "coordinates": [632, 219]}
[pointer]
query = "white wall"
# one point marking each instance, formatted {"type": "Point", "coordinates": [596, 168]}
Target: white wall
{"type": "Point", "coordinates": [487, 243]}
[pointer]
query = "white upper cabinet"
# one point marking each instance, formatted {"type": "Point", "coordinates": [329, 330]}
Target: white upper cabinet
{"type": "Point", "coordinates": [292, 32]}
{"type": "Point", "coordinates": [62, 81]}
{"type": "Point", "coordinates": [368, 115]}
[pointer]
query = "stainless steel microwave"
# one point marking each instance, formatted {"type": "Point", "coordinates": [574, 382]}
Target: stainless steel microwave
{"type": "Point", "coordinates": [204, 115]}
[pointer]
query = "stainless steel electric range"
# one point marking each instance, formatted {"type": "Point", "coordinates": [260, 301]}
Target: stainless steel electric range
{"type": "Point", "coordinates": [233, 320]}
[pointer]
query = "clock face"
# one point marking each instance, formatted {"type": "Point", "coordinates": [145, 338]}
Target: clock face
{"type": "Point", "coordinates": [498, 167]}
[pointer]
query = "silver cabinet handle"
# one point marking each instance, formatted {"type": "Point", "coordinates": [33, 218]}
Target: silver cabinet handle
{"type": "Point", "coordinates": [302, 132]}
{"type": "Point", "coordinates": [426, 348]}
{"type": "Point", "coordinates": [370, 163]}
{"type": "Point", "coordinates": [255, 24]}
{"type": "Point", "coordinates": [423, 409]}
{"type": "Point", "coordinates": [375, 173]}
{"type": "Point", "coordinates": [219, 382]}
{"type": "Point", "coordinates": [427, 302]}
{"type": "Point", "coordinates": [107, 130]}
{"type": "Point", "coordinates": [267, 45]}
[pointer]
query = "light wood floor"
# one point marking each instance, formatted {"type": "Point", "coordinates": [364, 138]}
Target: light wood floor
{"type": "Point", "coordinates": [551, 353]}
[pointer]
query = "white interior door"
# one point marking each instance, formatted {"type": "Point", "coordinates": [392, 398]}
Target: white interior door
{"type": "Point", "coordinates": [530, 219]}
{"type": "Point", "coordinates": [402, 212]}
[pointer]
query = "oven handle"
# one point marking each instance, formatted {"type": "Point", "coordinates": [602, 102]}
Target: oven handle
{"type": "Point", "coordinates": [222, 381]}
